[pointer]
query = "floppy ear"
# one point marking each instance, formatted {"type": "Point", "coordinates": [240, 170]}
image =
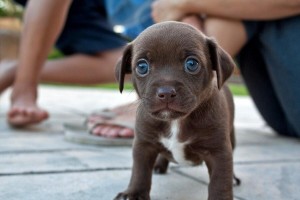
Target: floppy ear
{"type": "Point", "coordinates": [123, 66]}
{"type": "Point", "coordinates": [221, 62]}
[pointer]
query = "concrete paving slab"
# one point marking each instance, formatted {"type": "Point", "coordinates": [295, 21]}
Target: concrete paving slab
{"type": "Point", "coordinates": [65, 160]}
{"type": "Point", "coordinates": [34, 142]}
{"type": "Point", "coordinates": [96, 185]}
{"type": "Point", "coordinates": [276, 181]}
{"type": "Point", "coordinates": [264, 146]}
{"type": "Point", "coordinates": [41, 148]}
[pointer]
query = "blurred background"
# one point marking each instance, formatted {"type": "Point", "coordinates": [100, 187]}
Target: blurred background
{"type": "Point", "coordinates": [11, 15]}
{"type": "Point", "coordinates": [10, 27]}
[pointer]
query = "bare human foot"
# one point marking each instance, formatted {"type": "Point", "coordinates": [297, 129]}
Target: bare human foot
{"type": "Point", "coordinates": [108, 127]}
{"type": "Point", "coordinates": [24, 110]}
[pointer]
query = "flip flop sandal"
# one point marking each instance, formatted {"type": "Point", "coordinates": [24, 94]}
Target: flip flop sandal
{"type": "Point", "coordinates": [105, 114]}
{"type": "Point", "coordinates": [81, 132]}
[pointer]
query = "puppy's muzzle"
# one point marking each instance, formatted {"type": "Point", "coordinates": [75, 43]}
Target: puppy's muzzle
{"type": "Point", "coordinates": [166, 94]}
{"type": "Point", "coordinates": [168, 103]}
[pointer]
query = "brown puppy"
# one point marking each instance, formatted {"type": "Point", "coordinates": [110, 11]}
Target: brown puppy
{"type": "Point", "coordinates": [185, 113]}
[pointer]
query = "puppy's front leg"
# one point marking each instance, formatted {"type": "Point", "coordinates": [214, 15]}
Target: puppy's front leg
{"type": "Point", "coordinates": [144, 156]}
{"type": "Point", "coordinates": [220, 167]}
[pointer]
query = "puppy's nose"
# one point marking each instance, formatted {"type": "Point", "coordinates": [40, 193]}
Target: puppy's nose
{"type": "Point", "coordinates": [166, 94]}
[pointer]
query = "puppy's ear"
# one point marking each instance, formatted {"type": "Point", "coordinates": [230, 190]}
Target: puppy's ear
{"type": "Point", "coordinates": [123, 66]}
{"type": "Point", "coordinates": [221, 62]}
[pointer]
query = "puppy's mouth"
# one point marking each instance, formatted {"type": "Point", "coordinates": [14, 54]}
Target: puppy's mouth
{"type": "Point", "coordinates": [167, 113]}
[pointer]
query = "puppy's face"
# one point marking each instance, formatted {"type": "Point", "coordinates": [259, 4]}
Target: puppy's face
{"type": "Point", "coordinates": [172, 68]}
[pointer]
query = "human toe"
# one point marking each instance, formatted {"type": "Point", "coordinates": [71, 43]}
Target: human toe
{"type": "Point", "coordinates": [126, 133]}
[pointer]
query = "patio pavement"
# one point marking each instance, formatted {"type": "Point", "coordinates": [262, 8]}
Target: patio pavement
{"type": "Point", "coordinates": [37, 163]}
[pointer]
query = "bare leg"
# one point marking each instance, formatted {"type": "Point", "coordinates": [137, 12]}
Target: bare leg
{"type": "Point", "coordinates": [230, 34]}
{"type": "Point", "coordinates": [36, 41]}
{"type": "Point", "coordinates": [82, 69]}
{"type": "Point", "coordinates": [75, 69]}
{"type": "Point", "coordinates": [7, 74]}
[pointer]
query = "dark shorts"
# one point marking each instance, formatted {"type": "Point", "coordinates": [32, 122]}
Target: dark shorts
{"type": "Point", "coordinates": [270, 66]}
{"type": "Point", "coordinates": [87, 29]}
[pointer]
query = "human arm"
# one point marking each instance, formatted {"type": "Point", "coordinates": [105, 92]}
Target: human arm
{"type": "Point", "coordinates": [163, 10]}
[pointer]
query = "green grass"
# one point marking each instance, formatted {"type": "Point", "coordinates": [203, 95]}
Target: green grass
{"type": "Point", "coordinates": [55, 54]}
{"type": "Point", "coordinates": [238, 89]}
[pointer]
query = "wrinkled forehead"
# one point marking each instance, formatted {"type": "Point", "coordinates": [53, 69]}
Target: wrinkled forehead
{"type": "Point", "coordinates": [169, 39]}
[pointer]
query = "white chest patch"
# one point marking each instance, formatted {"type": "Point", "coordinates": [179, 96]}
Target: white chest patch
{"type": "Point", "coordinates": [175, 146]}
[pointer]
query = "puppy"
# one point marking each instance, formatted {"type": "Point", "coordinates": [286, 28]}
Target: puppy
{"type": "Point", "coordinates": [186, 112]}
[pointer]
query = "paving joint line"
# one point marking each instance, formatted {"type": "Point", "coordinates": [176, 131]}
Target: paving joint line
{"type": "Point", "coordinates": [34, 151]}
{"type": "Point", "coordinates": [266, 162]}
{"type": "Point", "coordinates": [64, 171]}
{"type": "Point", "coordinates": [73, 171]}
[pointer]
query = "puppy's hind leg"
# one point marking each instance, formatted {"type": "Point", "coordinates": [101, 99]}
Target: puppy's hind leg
{"type": "Point", "coordinates": [236, 180]}
{"type": "Point", "coordinates": [161, 165]}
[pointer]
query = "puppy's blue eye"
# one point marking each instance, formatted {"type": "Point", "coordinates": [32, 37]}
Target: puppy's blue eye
{"type": "Point", "coordinates": [191, 66]}
{"type": "Point", "coordinates": [142, 68]}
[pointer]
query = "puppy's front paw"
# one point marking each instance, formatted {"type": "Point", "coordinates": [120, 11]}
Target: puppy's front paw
{"type": "Point", "coordinates": [132, 196]}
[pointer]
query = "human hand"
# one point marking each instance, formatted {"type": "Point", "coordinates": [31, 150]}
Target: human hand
{"type": "Point", "coordinates": [166, 10]}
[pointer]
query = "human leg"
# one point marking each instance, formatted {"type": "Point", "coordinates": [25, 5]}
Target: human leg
{"type": "Point", "coordinates": [82, 69]}
{"type": "Point", "coordinates": [7, 74]}
{"type": "Point", "coordinates": [280, 41]}
{"type": "Point", "coordinates": [82, 64]}
{"type": "Point", "coordinates": [261, 89]}
{"type": "Point", "coordinates": [39, 16]}
{"type": "Point", "coordinates": [230, 34]}
{"type": "Point", "coordinates": [74, 69]}
{"type": "Point", "coordinates": [268, 65]}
